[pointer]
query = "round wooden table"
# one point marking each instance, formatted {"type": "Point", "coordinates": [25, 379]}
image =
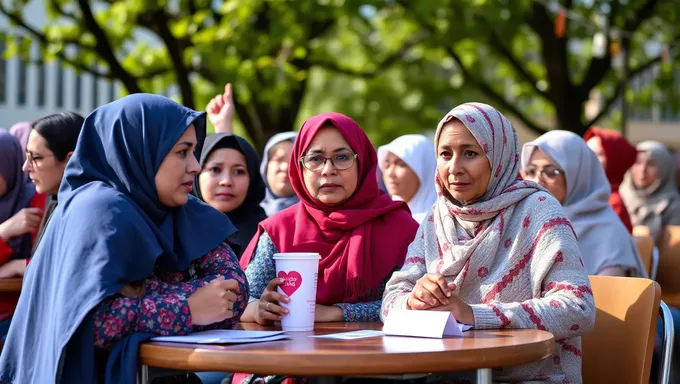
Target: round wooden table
{"type": "Point", "coordinates": [10, 285]}
{"type": "Point", "coordinates": [387, 355]}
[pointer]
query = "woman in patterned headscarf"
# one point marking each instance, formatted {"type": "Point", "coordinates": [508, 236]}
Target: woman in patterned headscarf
{"type": "Point", "coordinates": [496, 252]}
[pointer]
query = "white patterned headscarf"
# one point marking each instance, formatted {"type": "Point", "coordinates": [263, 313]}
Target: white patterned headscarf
{"type": "Point", "coordinates": [493, 221]}
{"type": "Point", "coordinates": [498, 139]}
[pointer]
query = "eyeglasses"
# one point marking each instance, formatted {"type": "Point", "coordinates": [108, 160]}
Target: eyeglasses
{"type": "Point", "coordinates": [35, 159]}
{"type": "Point", "coordinates": [550, 172]}
{"type": "Point", "coordinates": [341, 161]}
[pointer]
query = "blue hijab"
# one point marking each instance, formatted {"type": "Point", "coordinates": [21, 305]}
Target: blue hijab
{"type": "Point", "coordinates": [109, 229]}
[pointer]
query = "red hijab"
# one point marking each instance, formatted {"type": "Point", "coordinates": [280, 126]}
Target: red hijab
{"type": "Point", "coordinates": [361, 241]}
{"type": "Point", "coordinates": [621, 155]}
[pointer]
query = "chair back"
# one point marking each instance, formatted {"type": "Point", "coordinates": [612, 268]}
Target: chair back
{"type": "Point", "coordinates": [669, 265]}
{"type": "Point", "coordinates": [619, 348]}
{"type": "Point", "coordinates": [645, 247]}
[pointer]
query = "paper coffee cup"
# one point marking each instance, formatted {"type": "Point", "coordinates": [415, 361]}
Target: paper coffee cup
{"type": "Point", "coordinates": [300, 272]}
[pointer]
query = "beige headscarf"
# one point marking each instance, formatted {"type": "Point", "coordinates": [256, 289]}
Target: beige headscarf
{"type": "Point", "coordinates": [659, 204]}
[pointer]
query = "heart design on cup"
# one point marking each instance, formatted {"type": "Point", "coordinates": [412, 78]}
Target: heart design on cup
{"type": "Point", "coordinates": [291, 282]}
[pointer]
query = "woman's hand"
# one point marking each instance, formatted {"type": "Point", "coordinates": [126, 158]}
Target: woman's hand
{"type": "Point", "coordinates": [269, 308]}
{"type": "Point", "coordinates": [213, 303]}
{"type": "Point", "coordinates": [220, 111]}
{"type": "Point", "coordinates": [430, 291]}
{"type": "Point", "coordinates": [328, 314]}
{"type": "Point", "coordinates": [460, 310]}
{"type": "Point", "coordinates": [25, 221]}
{"type": "Point", "coordinates": [13, 268]}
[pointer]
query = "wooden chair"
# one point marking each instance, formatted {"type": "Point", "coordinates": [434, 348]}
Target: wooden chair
{"type": "Point", "coordinates": [645, 247]}
{"type": "Point", "coordinates": [619, 348]}
{"type": "Point", "coordinates": [668, 275]}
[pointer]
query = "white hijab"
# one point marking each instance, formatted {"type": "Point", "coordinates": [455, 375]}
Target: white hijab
{"type": "Point", "coordinates": [602, 237]}
{"type": "Point", "coordinates": [417, 152]}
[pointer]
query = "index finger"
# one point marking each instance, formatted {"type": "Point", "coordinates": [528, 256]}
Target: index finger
{"type": "Point", "coordinates": [441, 282]}
{"type": "Point", "coordinates": [274, 283]}
{"type": "Point", "coordinates": [229, 285]}
{"type": "Point", "coordinates": [227, 90]}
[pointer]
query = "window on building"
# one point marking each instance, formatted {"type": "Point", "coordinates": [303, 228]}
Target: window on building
{"type": "Point", "coordinates": [112, 91]}
{"type": "Point", "coordinates": [3, 71]}
{"type": "Point", "coordinates": [78, 97]}
{"type": "Point", "coordinates": [21, 82]}
{"type": "Point", "coordinates": [60, 84]}
{"type": "Point", "coordinates": [40, 84]}
{"type": "Point", "coordinates": [95, 92]}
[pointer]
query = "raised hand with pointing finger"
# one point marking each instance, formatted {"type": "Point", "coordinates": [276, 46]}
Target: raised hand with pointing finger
{"type": "Point", "coordinates": [220, 111]}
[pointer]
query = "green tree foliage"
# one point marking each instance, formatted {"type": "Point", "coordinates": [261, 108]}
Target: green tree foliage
{"type": "Point", "coordinates": [509, 50]}
{"type": "Point", "coordinates": [394, 65]}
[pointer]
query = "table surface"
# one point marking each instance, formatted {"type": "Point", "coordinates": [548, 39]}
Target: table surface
{"type": "Point", "coordinates": [306, 356]}
{"type": "Point", "coordinates": [10, 285]}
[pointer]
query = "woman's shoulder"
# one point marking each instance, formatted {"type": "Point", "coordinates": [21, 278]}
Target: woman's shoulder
{"type": "Point", "coordinates": [100, 206]}
{"type": "Point", "coordinates": [541, 210]}
{"type": "Point", "coordinates": [541, 202]}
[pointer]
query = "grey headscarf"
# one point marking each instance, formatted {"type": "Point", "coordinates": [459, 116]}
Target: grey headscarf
{"type": "Point", "coordinates": [659, 204]}
{"type": "Point", "coordinates": [602, 237]}
{"type": "Point", "coordinates": [21, 131]}
{"type": "Point", "coordinates": [273, 203]}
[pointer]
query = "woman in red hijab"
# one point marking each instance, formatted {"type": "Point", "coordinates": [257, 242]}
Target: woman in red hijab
{"type": "Point", "coordinates": [361, 234]}
{"type": "Point", "coordinates": [617, 155]}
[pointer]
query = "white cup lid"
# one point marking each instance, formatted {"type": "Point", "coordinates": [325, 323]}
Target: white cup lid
{"type": "Point", "coordinates": [296, 256]}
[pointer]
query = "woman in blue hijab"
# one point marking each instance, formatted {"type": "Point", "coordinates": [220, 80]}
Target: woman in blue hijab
{"type": "Point", "coordinates": [128, 253]}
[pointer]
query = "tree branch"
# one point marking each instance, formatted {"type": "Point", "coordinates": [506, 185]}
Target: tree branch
{"type": "Point", "coordinates": [105, 50]}
{"type": "Point", "coordinates": [497, 43]}
{"type": "Point", "coordinates": [619, 88]}
{"type": "Point", "coordinates": [384, 64]}
{"type": "Point", "coordinates": [497, 98]}
{"type": "Point", "coordinates": [598, 67]}
{"type": "Point", "coordinates": [493, 95]}
{"type": "Point", "coordinates": [15, 18]}
{"type": "Point", "coordinates": [57, 7]}
{"type": "Point", "coordinates": [175, 49]}
{"type": "Point", "coordinates": [641, 15]}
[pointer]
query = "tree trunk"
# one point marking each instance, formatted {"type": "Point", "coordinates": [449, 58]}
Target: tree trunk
{"type": "Point", "coordinates": [261, 121]}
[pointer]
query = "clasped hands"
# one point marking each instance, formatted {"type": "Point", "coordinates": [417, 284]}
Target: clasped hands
{"type": "Point", "coordinates": [432, 293]}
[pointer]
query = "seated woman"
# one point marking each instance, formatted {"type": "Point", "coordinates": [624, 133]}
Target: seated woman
{"type": "Point", "coordinates": [128, 253]}
{"type": "Point", "coordinates": [51, 142]}
{"type": "Point", "coordinates": [20, 214]}
{"type": "Point", "coordinates": [274, 167]}
{"type": "Point", "coordinates": [649, 191]}
{"type": "Point", "coordinates": [617, 155]}
{"type": "Point", "coordinates": [561, 162]}
{"type": "Point", "coordinates": [230, 182]}
{"type": "Point", "coordinates": [408, 166]}
{"type": "Point", "coordinates": [360, 233]}
{"type": "Point", "coordinates": [497, 252]}
{"type": "Point", "coordinates": [274, 170]}
{"type": "Point", "coordinates": [20, 206]}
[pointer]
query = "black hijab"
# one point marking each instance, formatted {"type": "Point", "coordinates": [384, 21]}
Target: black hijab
{"type": "Point", "coordinates": [246, 217]}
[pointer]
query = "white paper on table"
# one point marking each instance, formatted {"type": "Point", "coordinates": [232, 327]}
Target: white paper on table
{"type": "Point", "coordinates": [225, 336]}
{"type": "Point", "coordinates": [353, 335]}
{"type": "Point", "coordinates": [435, 324]}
